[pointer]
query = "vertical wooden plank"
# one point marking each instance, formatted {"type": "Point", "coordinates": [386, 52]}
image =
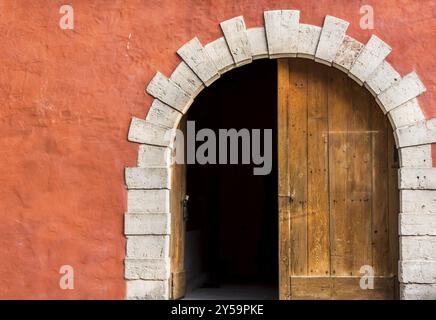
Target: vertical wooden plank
{"type": "Point", "coordinates": [283, 97]}
{"type": "Point", "coordinates": [297, 154]}
{"type": "Point", "coordinates": [317, 180]}
{"type": "Point", "coordinates": [339, 96]}
{"type": "Point", "coordinates": [177, 243]}
{"type": "Point", "coordinates": [380, 195]}
{"type": "Point", "coordinates": [359, 179]}
{"type": "Point", "coordinates": [393, 207]}
{"type": "Point", "coordinates": [283, 176]}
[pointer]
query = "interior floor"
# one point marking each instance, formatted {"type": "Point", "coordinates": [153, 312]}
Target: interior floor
{"type": "Point", "coordinates": [234, 292]}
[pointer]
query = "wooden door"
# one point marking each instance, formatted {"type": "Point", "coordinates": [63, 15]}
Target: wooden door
{"type": "Point", "coordinates": [338, 197]}
{"type": "Point", "coordinates": [178, 228]}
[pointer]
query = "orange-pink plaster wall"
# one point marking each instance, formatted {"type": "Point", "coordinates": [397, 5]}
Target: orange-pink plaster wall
{"type": "Point", "coordinates": [66, 99]}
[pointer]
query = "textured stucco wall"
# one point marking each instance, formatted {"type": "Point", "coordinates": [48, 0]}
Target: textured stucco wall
{"type": "Point", "coordinates": [67, 97]}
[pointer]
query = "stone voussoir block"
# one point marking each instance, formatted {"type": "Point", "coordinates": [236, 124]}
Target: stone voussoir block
{"type": "Point", "coordinates": [147, 269]}
{"type": "Point", "coordinates": [258, 43]}
{"type": "Point", "coordinates": [148, 178]}
{"type": "Point", "coordinates": [168, 92]}
{"type": "Point", "coordinates": [187, 80]}
{"type": "Point", "coordinates": [382, 78]}
{"type": "Point", "coordinates": [220, 55]}
{"type": "Point", "coordinates": [308, 37]}
{"type": "Point", "coordinates": [142, 131]}
{"type": "Point", "coordinates": [331, 38]}
{"type": "Point", "coordinates": [406, 114]}
{"type": "Point", "coordinates": [418, 201]}
{"type": "Point", "coordinates": [147, 290]}
{"type": "Point", "coordinates": [371, 56]}
{"type": "Point", "coordinates": [197, 58]}
{"type": "Point", "coordinates": [347, 53]}
{"type": "Point", "coordinates": [163, 115]}
{"type": "Point", "coordinates": [235, 33]}
{"type": "Point", "coordinates": [282, 32]}
{"type": "Point", "coordinates": [144, 201]}
{"type": "Point", "coordinates": [419, 133]}
{"type": "Point", "coordinates": [146, 223]}
{"type": "Point", "coordinates": [409, 87]}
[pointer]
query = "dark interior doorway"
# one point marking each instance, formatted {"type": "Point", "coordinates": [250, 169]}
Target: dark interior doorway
{"type": "Point", "coordinates": [231, 248]}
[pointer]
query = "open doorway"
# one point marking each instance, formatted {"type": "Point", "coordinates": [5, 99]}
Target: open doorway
{"type": "Point", "coordinates": [231, 240]}
{"type": "Point", "coordinates": [333, 173]}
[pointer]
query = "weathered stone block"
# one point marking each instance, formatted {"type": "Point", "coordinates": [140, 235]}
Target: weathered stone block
{"type": "Point", "coordinates": [149, 246]}
{"type": "Point", "coordinates": [153, 156]}
{"type": "Point", "coordinates": [347, 54]}
{"type": "Point", "coordinates": [146, 223]}
{"type": "Point", "coordinates": [406, 114]}
{"type": "Point", "coordinates": [235, 33]}
{"type": "Point", "coordinates": [332, 36]}
{"type": "Point", "coordinates": [371, 56]}
{"type": "Point", "coordinates": [417, 224]}
{"type": "Point", "coordinates": [416, 156]}
{"type": "Point", "coordinates": [220, 55]}
{"type": "Point", "coordinates": [417, 248]}
{"type": "Point", "coordinates": [142, 131]}
{"type": "Point", "coordinates": [163, 115]}
{"type": "Point", "coordinates": [282, 32]}
{"type": "Point", "coordinates": [417, 178]}
{"type": "Point", "coordinates": [147, 269]}
{"type": "Point", "coordinates": [422, 132]}
{"type": "Point", "coordinates": [258, 43]}
{"type": "Point", "coordinates": [417, 272]}
{"type": "Point", "coordinates": [418, 201]}
{"type": "Point", "coordinates": [197, 58]}
{"type": "Point", "coordinates": [147, 290]}
{"type": "Point", "coordinates": [418, 291]}
{"type": "Point", "coordinates": [400, 92]}
{"type": "Point", "coordinates": [143, 201]}
{"type": "Point", "coordinates": [185, 78]}
{"type": "Point", "coordinates": [168, 92]}
{"type": "Point", "coordinates": [308, 37]}
{"type": "Point", "coordinates": [382, 78]}
{"type": "Point", "coordinates": [148, 178]}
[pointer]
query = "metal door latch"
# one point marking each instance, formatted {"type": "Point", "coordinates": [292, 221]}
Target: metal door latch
{"type": "Point", "coordinates": [185, 207]}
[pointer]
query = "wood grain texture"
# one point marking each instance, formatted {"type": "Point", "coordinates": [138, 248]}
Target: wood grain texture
{"type": "Point", "coordinates": [339, 96]}
{"type": "Point", "coordinates": [297, 155]}
{"type": "Point", "coordinates": [359, 178]}
{"type": "Point", "coordinates": [177, 245]}
{"type": "Point", "coordinates": [340, 288]}
{"type": "Point", "coordinates": [337, 185]}
{"type": "Point", "coordinates": [283, 176]}
{"type": "Point", "coordinates": [380, 189]}
{"type": "Point", "coordinates": [317, 176]}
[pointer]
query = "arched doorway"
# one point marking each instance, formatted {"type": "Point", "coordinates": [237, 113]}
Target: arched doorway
{"type": "Point", "coordinates": [149, 213]}
{"type": "Point", "coordinates": [335, 189]}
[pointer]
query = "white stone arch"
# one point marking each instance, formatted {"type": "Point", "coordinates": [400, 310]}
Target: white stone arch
{"type": "Point", "coordinates": [147, 220]}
